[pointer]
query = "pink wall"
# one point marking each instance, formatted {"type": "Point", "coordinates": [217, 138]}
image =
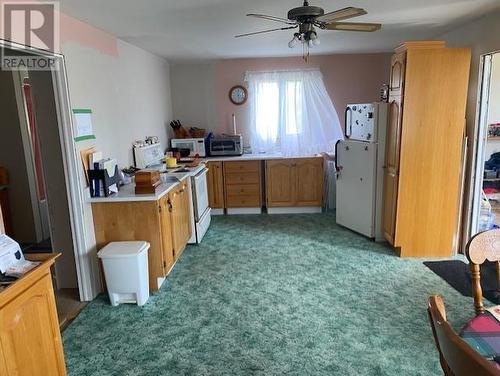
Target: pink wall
{"type": "Point", "coordinates": [73, 30]}
{"type": "Point", "coordinates": [352, 78]}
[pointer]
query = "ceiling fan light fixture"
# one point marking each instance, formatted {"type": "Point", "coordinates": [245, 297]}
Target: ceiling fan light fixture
{"type": "Point", "coordinates": [309, 18]}
{"type": "Point", "coordinates": [294, 41]}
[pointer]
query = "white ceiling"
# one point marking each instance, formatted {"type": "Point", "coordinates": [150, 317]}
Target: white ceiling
{"type": "Point", "coordinates": [204, 29]}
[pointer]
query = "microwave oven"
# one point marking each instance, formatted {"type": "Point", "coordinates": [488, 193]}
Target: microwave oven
{"type": "Point", "coordinates": [195, 145]}
{"type": "Point", "coordinates": [226, 145]}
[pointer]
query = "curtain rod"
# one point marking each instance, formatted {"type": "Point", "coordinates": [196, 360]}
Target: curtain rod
{"type": "Point", "coordinates": [285, 70]}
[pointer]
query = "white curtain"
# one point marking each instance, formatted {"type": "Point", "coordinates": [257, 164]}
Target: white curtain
{"type": "Point", "coordinates": [291, 113]}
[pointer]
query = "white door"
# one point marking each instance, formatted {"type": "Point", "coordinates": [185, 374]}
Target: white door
{"type": "Point", "coordinates": [361, 122]}
{"type": "Point", "coordinates": [356, 182]}
{"type": "Point", "coordinates": [481, 146]}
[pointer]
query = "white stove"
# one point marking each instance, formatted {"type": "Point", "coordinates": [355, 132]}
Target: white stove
{"type": "Point", "coordinates": [201, 212]}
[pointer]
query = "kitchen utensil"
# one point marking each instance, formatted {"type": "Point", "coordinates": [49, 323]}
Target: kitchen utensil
{"type": "Point", "coordinates": [179, 130]}
{"type": "Point", "coordinates": [197, 132]}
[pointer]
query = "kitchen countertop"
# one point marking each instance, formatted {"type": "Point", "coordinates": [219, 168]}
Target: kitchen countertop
{"type": "Point", "coordinates": [127, 192]}
{"type": "Point", "coordinates": [254, 157]}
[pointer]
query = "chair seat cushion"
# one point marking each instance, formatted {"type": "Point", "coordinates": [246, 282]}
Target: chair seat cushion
{"type": "Point", "coordinates": [482, 333]}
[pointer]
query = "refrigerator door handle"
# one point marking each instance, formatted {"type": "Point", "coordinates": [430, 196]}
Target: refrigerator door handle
{"type": "Point", "coordinates": [338, 167]}
{"type": "Point", "coordinates": [348, 124]}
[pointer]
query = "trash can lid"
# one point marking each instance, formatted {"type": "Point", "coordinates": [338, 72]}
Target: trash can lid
{"type": "Point", "coordinates": [123, 249]}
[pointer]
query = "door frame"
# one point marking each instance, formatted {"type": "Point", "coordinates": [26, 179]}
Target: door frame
{"type": "Point", "coordinates": [87, 275]}
{"type": "Point", "coordinates": [28, 154]}
{"type": "Point", "coordinates": [478, 144]}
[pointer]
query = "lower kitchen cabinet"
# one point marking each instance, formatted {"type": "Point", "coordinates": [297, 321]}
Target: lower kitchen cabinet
{"type": "Point", "coordinates": [30, 340]}
{"type": "Point", "coordinates": [215, 182]}
{"type": "Point", "coordinates": [309, 181]}
{"type": "Point", "coordinates": [242, 184]}
{"type": "Point", "coordinates": [163, 223]}
{"type": "Point", "coordinates": [288, 183]}
{"type": "Point", "coordinates": [178, 201]}
{"type": "Point", "coordinates": [294, 182]}
{"type": "Point", "coordinates": [166, 232]}
{"type": "Point", "coordinates": [280, 183]}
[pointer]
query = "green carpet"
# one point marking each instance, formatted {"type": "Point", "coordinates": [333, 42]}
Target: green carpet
{"type": "Point", "coordinates": [272, 295]}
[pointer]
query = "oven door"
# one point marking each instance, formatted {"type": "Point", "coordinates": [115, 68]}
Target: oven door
{"type": "Point", "coordinates": [200, 190]}
{"type": "Point", "coordinates": [185, 144]}
{"type": "Point", "coordinates": [223, 147]}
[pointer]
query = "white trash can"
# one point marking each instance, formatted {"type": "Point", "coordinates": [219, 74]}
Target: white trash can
{"type": "Point", "coordinates": [126, 271]}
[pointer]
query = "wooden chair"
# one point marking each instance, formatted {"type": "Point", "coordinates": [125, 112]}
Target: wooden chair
{"type": "Point", "coordinates": [457, 358]}
{"type": "Point", "coordinates": [484, 246]}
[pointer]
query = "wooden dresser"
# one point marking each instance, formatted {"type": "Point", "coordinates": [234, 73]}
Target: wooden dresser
{"type": "Point", "coordinates": [30, 341]}
{"type": "Point", "coordinates": [425, 148]}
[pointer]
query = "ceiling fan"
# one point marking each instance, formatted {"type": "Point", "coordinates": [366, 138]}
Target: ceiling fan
{"type": "Point", "coordinates": [308, 17]}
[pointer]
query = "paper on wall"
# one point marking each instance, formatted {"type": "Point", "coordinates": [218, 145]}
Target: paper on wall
{"type": "Point", "coordinates": [83, 124]}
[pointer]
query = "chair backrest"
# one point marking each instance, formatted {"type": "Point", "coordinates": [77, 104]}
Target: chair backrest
{"type": "Point", "coordinates": [483, 246]}
{"type": "Point", "coordinates": [456, 356]}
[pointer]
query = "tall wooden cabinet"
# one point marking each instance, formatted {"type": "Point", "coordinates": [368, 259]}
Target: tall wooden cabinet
{"type": "Point", "coordinates": [424, 148]}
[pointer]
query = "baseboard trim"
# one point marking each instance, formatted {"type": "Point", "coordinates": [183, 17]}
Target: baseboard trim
{"type": "Point", "coordinates": [295, 210]}
{"type": "Point", "coordinates": [217, 211]}
{"type": "Point", "coordinates": [237, 211]}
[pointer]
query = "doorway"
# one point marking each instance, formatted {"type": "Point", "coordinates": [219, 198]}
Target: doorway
{"type": "Point", "coordinates": [486, 205]}
{"type": "Point", "coordinates": [36, 188]}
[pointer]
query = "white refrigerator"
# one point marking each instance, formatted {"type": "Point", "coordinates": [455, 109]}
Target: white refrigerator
{"type": "Point", "coordinates": [360, 169]}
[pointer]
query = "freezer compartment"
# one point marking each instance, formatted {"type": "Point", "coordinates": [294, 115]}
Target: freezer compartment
{"type": "Point", "coordinates": [361, 122]}
{"type": "Point", "coordinates": [356, 186]}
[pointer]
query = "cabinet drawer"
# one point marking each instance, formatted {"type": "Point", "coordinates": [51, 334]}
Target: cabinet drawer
{"type": "Point", "coordinates": [242, 178]}
{"type": "Point", "coordinates": [243, 190]}
{"type": "Point", "coordinates": [242, 166]}
{"type": "Point", "coordinates": [243, 201]}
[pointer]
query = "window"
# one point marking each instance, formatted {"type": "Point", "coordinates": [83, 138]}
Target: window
{"type": "Point", "coordinates": [291, 113]}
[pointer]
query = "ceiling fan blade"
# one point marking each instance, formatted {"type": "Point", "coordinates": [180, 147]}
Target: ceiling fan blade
{"type": "Point", "coordinates": [264, 31]}
{"type": "Point", "coordinates": [341, 14]}
{"type": "Point", "coordinates": [352, 26]}
{"type": "Point", "coordinates": [272, 18]}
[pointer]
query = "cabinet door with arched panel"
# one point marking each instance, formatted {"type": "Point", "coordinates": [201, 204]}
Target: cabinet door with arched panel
{"type": "Point", "coordinates": [398, 68]}
{"type": "Point", "coordinates": [391, 168]}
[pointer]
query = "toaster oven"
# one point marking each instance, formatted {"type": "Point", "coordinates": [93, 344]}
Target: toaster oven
{"type": "Point", "coordinates": [226, 145]}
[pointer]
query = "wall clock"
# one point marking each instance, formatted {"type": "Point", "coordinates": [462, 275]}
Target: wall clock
{"type": "Point", "coordinates": [238, 94]}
